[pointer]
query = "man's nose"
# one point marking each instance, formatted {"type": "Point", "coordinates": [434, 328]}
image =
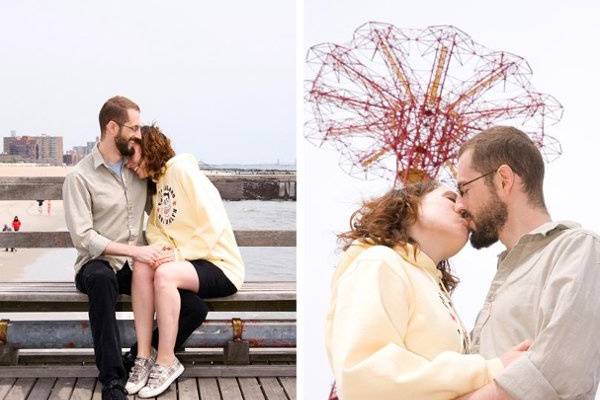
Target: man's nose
{"type": "Point", "coordinates": [459, 206]}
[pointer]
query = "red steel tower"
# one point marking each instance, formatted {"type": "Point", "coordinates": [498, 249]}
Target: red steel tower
{"type": "Point", "coordinates": [398, 103]}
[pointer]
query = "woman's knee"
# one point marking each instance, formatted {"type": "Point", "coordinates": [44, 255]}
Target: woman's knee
{"type": "Point", "coordinates": [163, 278]}
{"type": "Point", "coordinates": [142, 271]}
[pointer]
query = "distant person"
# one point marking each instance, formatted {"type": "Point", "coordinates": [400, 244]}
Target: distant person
{"type": "Point", "coordinates": [547, 280]}
{"type": "Point", "coordinates": [16, 224]}
{"type": "Point", "coordinates": [104, 211]}
{"type": "Point", "coordinates": [8, 229]}
{"type": "Point", "coordinates": [188, 215]}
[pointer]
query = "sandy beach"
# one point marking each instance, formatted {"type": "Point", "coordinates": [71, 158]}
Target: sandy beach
{"type": "Point", "coordinates": [57, 264]}
{"type": "Point", "coordinates": [49, 217]}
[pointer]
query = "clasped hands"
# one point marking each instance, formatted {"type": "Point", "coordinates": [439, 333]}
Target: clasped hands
{"type": "Point", "coordinates": [154, 255]}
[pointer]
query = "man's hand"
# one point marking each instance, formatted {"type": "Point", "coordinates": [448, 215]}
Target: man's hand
{"type": "Point", "coordinates": [147, 254]}
{"type": "Point", "coordinates": [514, 353]}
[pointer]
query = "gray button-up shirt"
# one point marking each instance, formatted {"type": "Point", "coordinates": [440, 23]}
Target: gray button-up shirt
{"type": "Point", "coordinates": [546, 289]}
{"type": "Point", "coordinates": [101, 207]}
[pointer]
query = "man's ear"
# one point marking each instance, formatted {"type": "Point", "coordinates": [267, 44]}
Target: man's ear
{"type": "Point", "coordinates": [506, 179]}
{"type": "Point", "coordinates": [112, 127]}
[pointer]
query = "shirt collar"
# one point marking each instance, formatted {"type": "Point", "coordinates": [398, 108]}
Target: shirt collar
{"type": "Point", "coordinates": [418, 258]}
{"type": "Point", "coordinates": [542, 231]}
{"type": "Point", "coordinates": [97, 157]}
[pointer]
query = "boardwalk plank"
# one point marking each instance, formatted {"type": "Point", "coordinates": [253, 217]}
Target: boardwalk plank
{"type": "Point", "coordinates": [20, 389]}
{"type": "Point", "coordinates": [229, 389]}
{"type": "Point", "coordinates": [289, 385]}
{"type": "Point", "coordinates": [84, 389]}
{"type": "Point", "coordinates": [5, 385]}
{"type": "Point", "coordinates": [273, 389]}
{"type": "Point", "coordinates": [41, 390]}
{"type": "Point", "coordinates": [62, 389]}
{"type": "Point", "coordinates": [97, 391]}
{"type": "Point", "coordinates": [251, 389]}
{"type": "Point", "coordinates": [188, 389]}
{"type": "Point", "coordinates": [170, 393]}
{"type": "Point", "coordinates": [209, 390]}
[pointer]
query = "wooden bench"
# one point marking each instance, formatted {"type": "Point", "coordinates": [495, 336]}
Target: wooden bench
{"type": "Point", "coordinates": [62, 296]}
{"type": "Point", "coordinates": [235, 336]}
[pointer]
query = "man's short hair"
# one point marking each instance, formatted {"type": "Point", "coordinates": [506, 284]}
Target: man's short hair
{"type": "Point", "coordinates": [507, 145]}
{"type": "Point", "coordinates": [115, 109]}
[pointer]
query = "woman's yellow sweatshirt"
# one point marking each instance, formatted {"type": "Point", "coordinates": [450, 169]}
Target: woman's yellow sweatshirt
{"type": "Point", "coordinates": [392, 333]}
{"type": "Point", "coordinates": [188, 214]}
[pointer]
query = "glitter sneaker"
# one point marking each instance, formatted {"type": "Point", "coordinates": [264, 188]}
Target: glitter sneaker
{"type": "Point", "coordinates": [140, 372]}
{"type": "Point", "coordinates": [161, 378]}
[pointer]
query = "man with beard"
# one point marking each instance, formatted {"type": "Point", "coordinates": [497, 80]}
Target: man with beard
{"type": "Point", "coordinates": [546, 279]}
{"type": "Point", "coordinates": [104, 211]}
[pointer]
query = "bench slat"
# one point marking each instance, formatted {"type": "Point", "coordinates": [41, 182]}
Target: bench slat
{"type": "Point", "coordinates": [76, 333]}
{"type": "Point", "coordinates": [62, 296]}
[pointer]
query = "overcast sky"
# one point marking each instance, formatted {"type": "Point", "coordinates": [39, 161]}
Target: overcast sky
{"type": "Point", "coordinates": [217, 76]}
{"type": "Point", "coordinates": [559, 40]}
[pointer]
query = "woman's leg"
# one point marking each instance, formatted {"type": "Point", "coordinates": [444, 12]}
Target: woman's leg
{"type": "Point", "coordinates": [142, 302]}
{"type": "Point", "coordinates": [168, 278]}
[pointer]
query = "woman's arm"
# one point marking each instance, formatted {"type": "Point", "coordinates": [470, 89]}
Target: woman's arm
{"type": "Point", "coordinates": [366, 346]}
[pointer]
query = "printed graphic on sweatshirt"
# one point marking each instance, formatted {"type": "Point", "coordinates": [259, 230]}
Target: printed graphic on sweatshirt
{"type": "Point", "coordinates": [166, 207]}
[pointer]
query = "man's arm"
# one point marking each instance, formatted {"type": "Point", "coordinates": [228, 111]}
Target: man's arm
{"type": "Point", "coordinates": [78, 215]}
{"type": "Point", "coordinates": [491, 391]}
{"type": "Point", "coordinates": [566, 353]}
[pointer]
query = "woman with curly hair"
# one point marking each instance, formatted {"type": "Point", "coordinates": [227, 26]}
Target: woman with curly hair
{"type": "Point", "coordinates": [188, 220]}
{"type": "Point", "coordinates": [391, 329]}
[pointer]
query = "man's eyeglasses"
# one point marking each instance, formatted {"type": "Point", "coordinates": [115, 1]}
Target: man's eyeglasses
{"type": "Point", "coordinates": [135, 128]}
{"type": "Point", "coordinates": [461, 186]}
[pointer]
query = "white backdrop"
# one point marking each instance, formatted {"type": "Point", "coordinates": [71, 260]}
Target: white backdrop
{"type": "Point", "coordinates": [560, 43]}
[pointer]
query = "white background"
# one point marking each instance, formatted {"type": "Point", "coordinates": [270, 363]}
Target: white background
{"type": "Point", "coordinates": [560, 42]}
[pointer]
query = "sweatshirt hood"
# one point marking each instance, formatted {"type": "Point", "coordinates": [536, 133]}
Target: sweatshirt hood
{"type": "Point", "coordinates": [183, 159]}
{"type": "Point", "coordinates": [416, 258]}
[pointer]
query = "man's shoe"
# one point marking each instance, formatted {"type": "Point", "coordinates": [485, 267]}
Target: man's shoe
{"type": "Point", "coordinates": [128, 361]}
{"type": "Point", "coordinates": [140, 372]}
{"type": "Point", "coordinates": [114, 391]}
{"type": "Point", "coordinates": [161, 378]}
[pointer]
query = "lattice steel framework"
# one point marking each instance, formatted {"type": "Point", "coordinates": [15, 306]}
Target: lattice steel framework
{"type": "Point", "coordinates": [398, 103]}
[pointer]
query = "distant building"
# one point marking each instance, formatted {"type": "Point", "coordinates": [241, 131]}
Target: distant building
{"type": "Point", "coordinates": [38, 149]}
{"type": "Point", "coordinates": [75, 155]}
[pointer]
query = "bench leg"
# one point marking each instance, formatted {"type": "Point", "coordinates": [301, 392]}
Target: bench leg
{"type": "Point", "coordinates": [8, 355]}
{"type": "Point", "coordinates": [237, 352]}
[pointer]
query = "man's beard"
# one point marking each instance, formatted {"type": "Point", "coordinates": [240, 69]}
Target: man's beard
{"type": "Point", "coordinates": [488, 224]}
{"type": "Point", "coordinates": [123, 145]}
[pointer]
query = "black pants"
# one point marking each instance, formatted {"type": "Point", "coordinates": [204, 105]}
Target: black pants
{"type": "Point", "coordinates": [97, 279]}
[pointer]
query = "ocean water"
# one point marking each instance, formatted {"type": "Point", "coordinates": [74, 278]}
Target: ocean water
{"type": "Point", "coordinates": [262, 263]}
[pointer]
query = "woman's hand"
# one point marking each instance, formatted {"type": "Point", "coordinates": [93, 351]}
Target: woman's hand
{"type": "Point", "coordinates": [147, 254]}
{"type": "Point", "coordinates": [167, 255]}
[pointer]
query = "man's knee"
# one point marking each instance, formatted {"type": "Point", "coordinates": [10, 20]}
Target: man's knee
{"type": "Point", "coordinates": [99, 277]}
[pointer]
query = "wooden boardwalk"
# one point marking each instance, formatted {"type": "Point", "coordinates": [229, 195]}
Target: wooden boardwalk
{"type": "Point", "coordinates": [272, 388]}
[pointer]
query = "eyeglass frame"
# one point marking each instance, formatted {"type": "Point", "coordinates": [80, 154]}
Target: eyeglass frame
{"type": "Point", "coordinates": [460, 186]}
{"type": "Point", "coordinates": [139, 128]}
